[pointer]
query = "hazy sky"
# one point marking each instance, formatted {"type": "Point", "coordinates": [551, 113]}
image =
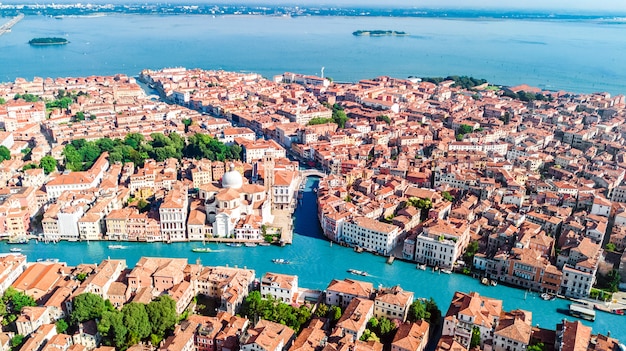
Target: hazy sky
{"type": "Point", "coordinates": [578, 5]}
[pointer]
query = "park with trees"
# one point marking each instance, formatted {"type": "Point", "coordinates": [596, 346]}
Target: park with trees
{"type": "Point", "coordinates": [80, 154]}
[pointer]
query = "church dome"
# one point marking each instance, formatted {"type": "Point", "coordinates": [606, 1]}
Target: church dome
{"type": "Point", "coordinates": [232, 178]}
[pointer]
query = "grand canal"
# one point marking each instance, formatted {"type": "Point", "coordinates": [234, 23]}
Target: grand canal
{"type": "Point", "coordinates": [316, 263]}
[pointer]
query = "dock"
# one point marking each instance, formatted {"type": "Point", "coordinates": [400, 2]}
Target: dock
{"type": "Point", "coordinates": [5, 28]}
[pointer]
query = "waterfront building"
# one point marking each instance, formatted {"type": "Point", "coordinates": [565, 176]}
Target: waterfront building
{"type": "Point", "coordinates": [469, 311]}
{"type": "Point", "coordinates": [371, 235]}
{"type": "Point", "coordinates": [392, 303]}
{"type": "Point", "coordinates": [235, 204]}
{"type": "Point", "coordinates": [579, 260]}
{"type": "Point", "coordinates": [40, 279]}
{"type": "Point", "coordinates": [341, 292]}
{"type": "Point", "coordinates": [282, 287]}
{"type": "Point", "coordinates": [11, 267]}
{"type": "Point", "coordinates": [411, 337]}
{"type": "Point", "coordinates": [173, 214]}
{"type": "Point", "coordinates": [441, 243]}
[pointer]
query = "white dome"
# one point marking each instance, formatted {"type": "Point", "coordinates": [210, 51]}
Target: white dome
{"type": "Point", "coordinates": [232, 178]}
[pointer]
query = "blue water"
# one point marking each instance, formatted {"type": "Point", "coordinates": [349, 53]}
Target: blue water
{"type": "Point", "coordinates": [577, 55]}
{"type": "Point", "coordinates": [316, 263]}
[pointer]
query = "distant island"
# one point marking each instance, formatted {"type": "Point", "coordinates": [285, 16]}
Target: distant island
{"type": "Point", "coordinates": [378, 33]}
{"type": "Point", "coordinates": [48, 41]}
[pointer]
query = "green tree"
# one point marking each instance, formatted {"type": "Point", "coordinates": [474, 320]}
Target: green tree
{"type": "Point", "coordinates": [322, 310]}
{"type": "Point", "coordinates": [62, 326]}
{"type": "Point", "coordinates": [465, 129]}
{"type": "Point", "coordinates": [320, 120]}
{"type": "Point", "coordinates": [136, 321]}
{"type": "Point", "coordinates": [162, 314]}
{"type": "Point", "coordinates": [29, 166]}
{"type": "Point", "coordinates": [536, 347]}
{"type": "Point", "coordinates": [87, 306]}
{"type": "Point", "coordinates": [475, 341]}
{"type": "Point", "coordinates": [446, 195]}
{"type": "Point", "coordinates": [384, 118]}
{"type": "Point", "coordinates": [5, 153]}
{"type": "Point", "coordinates": [81, 277]}
{"type": "Point", "coordinates": [17, 341]}
{"type": "Point", "coordinates": [610, 247]}
{"type": "Point", "coordinates": [27, 97]}
{"type": "Point", "coordinates": [435, 313]}
{"type": "Point", "coordinates": [613, 278]}
{"type": "Point", "coordinates": [15, 301]}
{"type": "Point", "coordinates": [2, 101]}
{"type": "Point", "coordinates": [134, 140]}
{"type": "Point", "coordinates": [48, 163]}
{"type": "Point", "coordinates": [113, 329]}
{"type": "Point", "coordinates": [470, 251]}
{"type": "Point", "coordinates": [417, 312]}
{"type": "Point", "coordinates": [335, 313]}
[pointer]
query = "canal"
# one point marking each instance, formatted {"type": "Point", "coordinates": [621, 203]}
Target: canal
{"type": "Point", "coordinates": [316, 263]}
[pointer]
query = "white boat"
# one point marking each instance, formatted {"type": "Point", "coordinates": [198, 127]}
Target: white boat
{"type": "Point", "coordinates": [484, 281]}
{"type": "Point", "coordinates": [15, 249]}
{"type": "Point", "coordinates": [493, 283]}
{"type": "Point", "coordinates": [421, 266]}
{"type": "Point", "coordinates": [265, 243]}
{"type": "Point", "coordinates": [251, 244]}
{"type": "Point", "coordinates": [357, 272]}
{"type": "Point", "coordinates": [548, 297]}
{"type": "Point", "coordinates": [117, 247]}
{"type": "Point", "coordinates": [446, 271]}
{"type": "Point", "coordinates": [280, 261]}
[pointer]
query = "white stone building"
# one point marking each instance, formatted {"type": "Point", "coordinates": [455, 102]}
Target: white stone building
{"type": "Point", "coordinates": [282, 287]}
{"type": "Point", "coordinates": [371, 235]}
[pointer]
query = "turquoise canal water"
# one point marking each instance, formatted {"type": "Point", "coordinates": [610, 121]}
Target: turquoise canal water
{"type": "Point", "coordinates": [316, 263]}
{"type": "Point", "coordinates": [574, 55]}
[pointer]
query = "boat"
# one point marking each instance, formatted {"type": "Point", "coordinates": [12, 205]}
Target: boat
{"type": "Point", "coordinates": [234, 244]}
{"type": "Point", "coordinates": [446, 271]}
{"type": "Point", "coordinates": [117, 247]}
{"type": "Point", "coordinates": [280, 261]}
{"type": "Point", "coordinates": [390, 259]}
{"type": "Point", "coordinates": [493, 283]}
{"type": "Point", "coordinates": [358, 249]}
{"type": "Point", "coordinates": [618, 311]}
{"type": "Point", "coordinates": [251, 244]}
{"type": "Point", "coordinates": [548, 297]}
{"type": "Point", "coordinates": [18, 240]}
{"type": "Point", "coordinates": [484, 281]}
{"type": "Point", "coordinates": [16, 249]}
{"type": "Point", "coordinates": [357, 272]}
{"type": "Point", "coordinates": [265, 243]}
{"type": "Point", "coordinates": [421, 266]}
{"type": "Point", "coordinates": [201, 249]}
{"type": "Point", "coordinates": [582, 311]}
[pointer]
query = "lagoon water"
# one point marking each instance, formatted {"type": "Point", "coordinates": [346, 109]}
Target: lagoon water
{"type": "Point", "coordinates": [576, 55]}
{"type": "Point", "coordinates": [316, 263]}
{"type": "Point", "coordinates": [579, 56]}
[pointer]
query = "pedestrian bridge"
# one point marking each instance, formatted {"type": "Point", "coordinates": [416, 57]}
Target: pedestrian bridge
{"type": "Point", "coordinates": [312, 173]}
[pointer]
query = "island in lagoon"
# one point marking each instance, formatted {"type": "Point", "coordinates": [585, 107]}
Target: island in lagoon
{"type": "Point", "coordinates": [48, 41]}
{"type": "Point", "coordinates": [379, 33]}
